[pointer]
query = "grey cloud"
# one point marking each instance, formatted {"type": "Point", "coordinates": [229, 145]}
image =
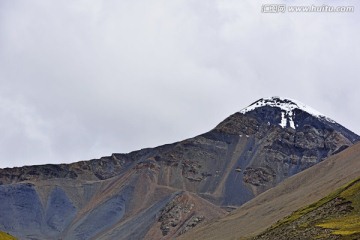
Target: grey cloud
{"type": "Point", "coordinates": [83, 79]}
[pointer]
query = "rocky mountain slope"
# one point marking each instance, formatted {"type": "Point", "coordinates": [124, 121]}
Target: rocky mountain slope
{"type": "Point", "coordinates": [294, 193]}
{"type": "Point", "coordinates": [164, 192]}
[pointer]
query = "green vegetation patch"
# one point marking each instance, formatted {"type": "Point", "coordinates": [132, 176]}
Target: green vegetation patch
{"type": "Point", "coordinates": [343, 226]}
{"type": "Point", "coordinates": [349, 224]}
{"type": "Point", "coordinates": [5, 236]}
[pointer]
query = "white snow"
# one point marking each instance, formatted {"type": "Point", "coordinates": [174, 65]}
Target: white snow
{"type": "Point", "coordinates": [287, 106]}
{"type": "Point", "coordinates": [291, 121]}
{"type": "Point", "coordinates": [283, 120]}
{"type": "Point", "coordinates": [292, 124]}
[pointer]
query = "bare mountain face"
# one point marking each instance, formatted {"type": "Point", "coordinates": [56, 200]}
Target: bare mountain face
{"type": "Point", "coordinates": [164, 192]}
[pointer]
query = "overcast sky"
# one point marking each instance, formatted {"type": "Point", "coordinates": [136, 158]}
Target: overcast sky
{"type": "Point", "coordinates": [83, 79]}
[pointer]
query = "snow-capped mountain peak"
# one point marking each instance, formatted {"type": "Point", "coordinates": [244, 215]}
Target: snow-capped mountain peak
{"type": "Point", "coordinates": [287, 107]}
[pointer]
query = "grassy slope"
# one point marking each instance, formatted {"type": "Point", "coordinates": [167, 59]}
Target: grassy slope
{"type": "Point", "coordinates": [5, 236]}
{"type": "Point", "coordinates": [336, 216]}
{"type": "Point", "coordinates": [349, 224]}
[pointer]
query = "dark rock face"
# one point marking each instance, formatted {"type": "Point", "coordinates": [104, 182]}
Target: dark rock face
{"type": "Point", "coordinates": [283, 152]}
{"type": "Point", "coordinates": [59, 211]}
{"type": "Point", "coordinates": [97, 169]}
{"type": "Point", "coordinates": [172, 214]}
{"type": "Point", "coordinates": [20, 208]}
{"type": "Point", "coordinates": [258, 176]}
{"type": "Point", "coordinates": [243, 156]}
{"type": "Point", "coordinates": [109, 212]}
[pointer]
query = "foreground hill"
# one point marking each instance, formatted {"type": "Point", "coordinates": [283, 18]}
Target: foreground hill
{"type": "Point", "coordinates": [275, 204]}
{"type": "Point", "coordinates": [164, 192]}
{"type": "Point", "coordinates": [337, 216]}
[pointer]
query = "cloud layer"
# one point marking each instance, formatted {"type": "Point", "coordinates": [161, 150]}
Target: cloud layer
{"type": "Point", "coordinates": [83, 79]}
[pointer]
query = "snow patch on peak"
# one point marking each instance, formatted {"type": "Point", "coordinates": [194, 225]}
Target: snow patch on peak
{"type": "Point", "coordinates": [291, 121]}
{"type": "Point", "coordinates": [287, 106]}
{"type": "Point", "coordinates": [283, 120]}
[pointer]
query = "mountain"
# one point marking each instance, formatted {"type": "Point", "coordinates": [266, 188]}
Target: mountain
{"type": "Point", "coordinates": [164, 192]}
{"type": "Point", "coordinates": [273, 207]}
